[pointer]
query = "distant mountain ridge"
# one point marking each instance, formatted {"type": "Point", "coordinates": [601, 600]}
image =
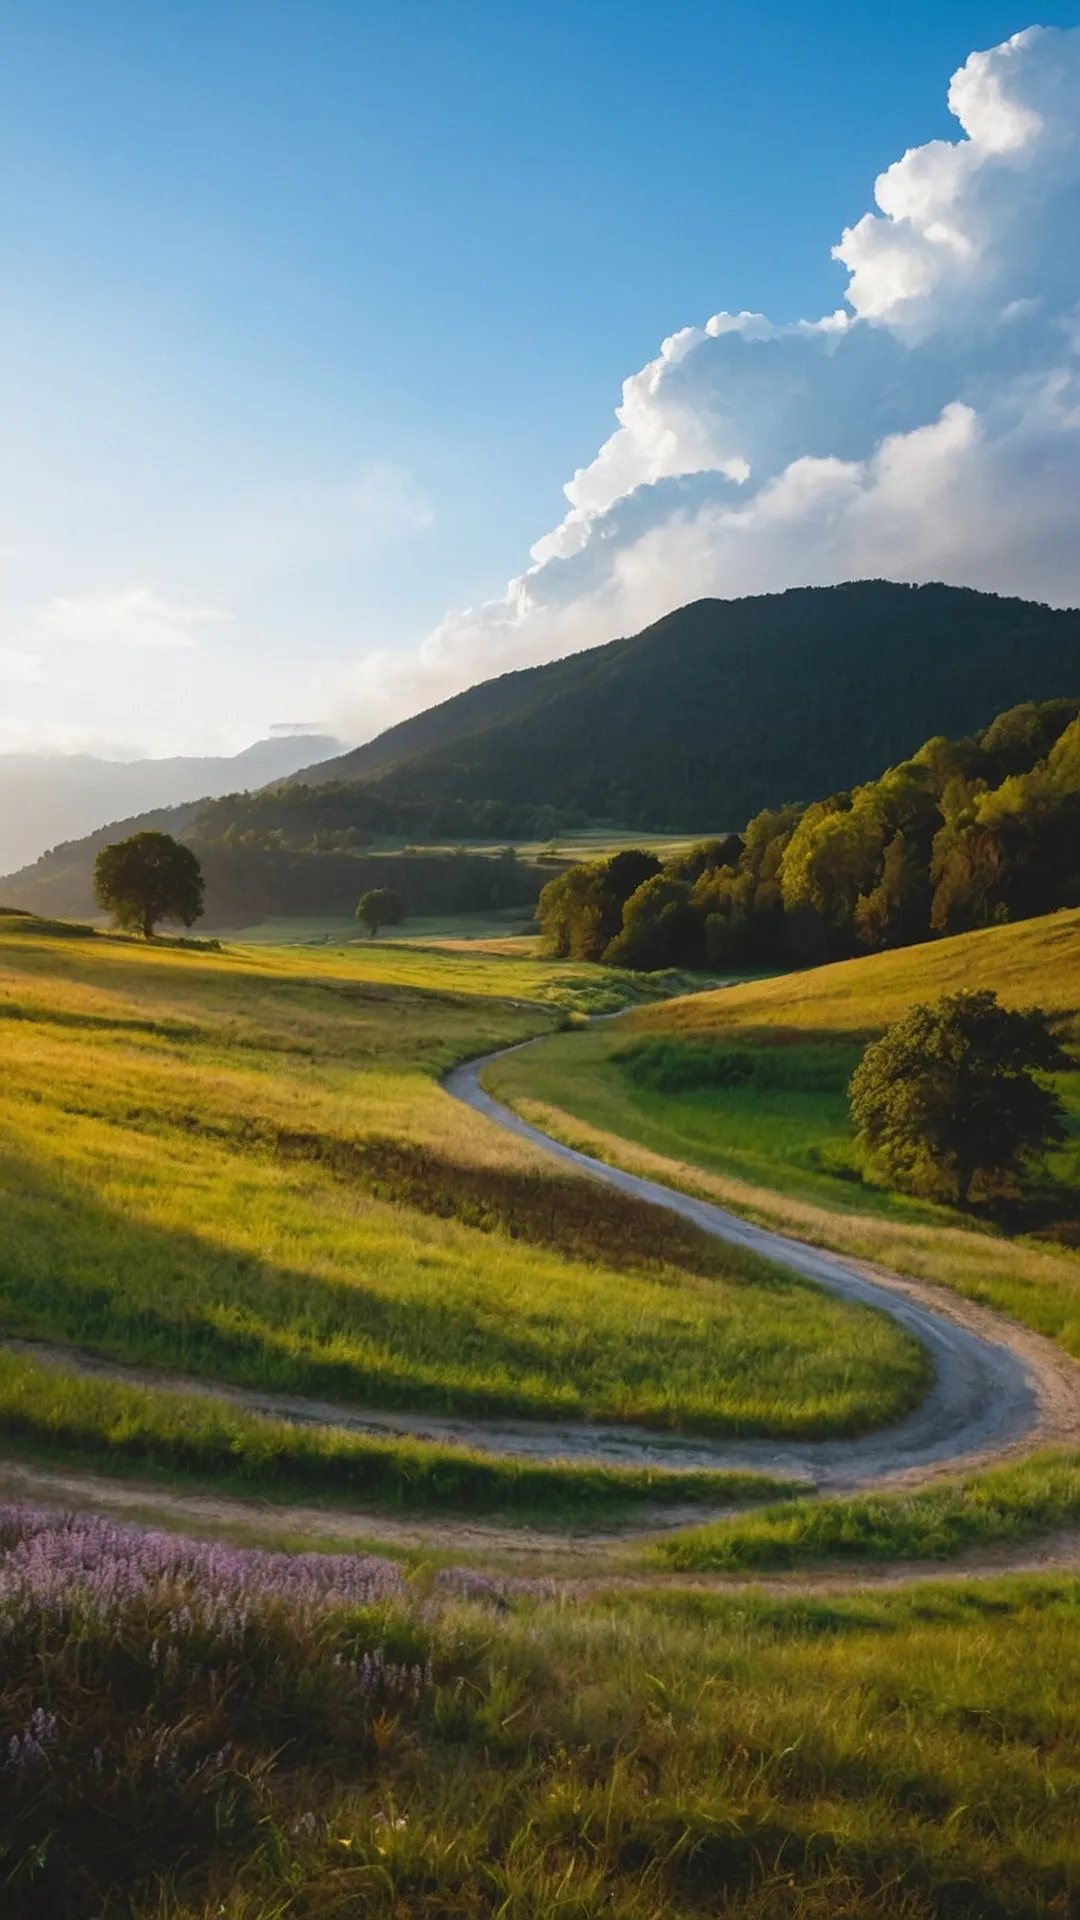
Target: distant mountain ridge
{"type": "Point", "coordinates": [694, 725]}
{"type": "Point", "coordinates": [46, 799]}
{"type": "Point", "coordinates": [726, 706]}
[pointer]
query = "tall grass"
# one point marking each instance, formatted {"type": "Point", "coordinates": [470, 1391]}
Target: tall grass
{"type": "Point", "coordinates": [55, 1414]}
{"type": "Point", "coordinates": [200, 1732]}
{"type": "Point", "coordinates": [243, 1168]}
{"type": "Point", "coordinates": [1002, 1506]}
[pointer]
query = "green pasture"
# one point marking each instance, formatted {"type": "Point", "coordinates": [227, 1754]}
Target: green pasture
{"type": "Point", "coordinates": [240, 1165]}
{"type": "Point", "coordinates": [739, 1094]}
{"type": "Point", "coordinates": [784, 1126]}
{"type": "Point", "coordinates": [750, 1081]}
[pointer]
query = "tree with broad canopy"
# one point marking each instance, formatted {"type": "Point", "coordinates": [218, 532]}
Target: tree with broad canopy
{"type": "Point", "coordinates": [147, 878]}
{"type": "Point", "coordinates": [948, 1095]}
{"type": "Point", "coordinates": [380, 907]}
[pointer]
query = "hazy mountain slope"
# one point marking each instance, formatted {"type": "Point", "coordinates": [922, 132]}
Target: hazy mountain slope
{"type": "Point", "coordinates": [724, 707]}
{"type": "Point", "coordinates": [49, 798]}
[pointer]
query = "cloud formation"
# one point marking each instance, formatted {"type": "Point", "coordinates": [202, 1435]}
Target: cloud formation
{"type": "Point", "coordinates": [930, 429]}
{"type": "Point", "coordinates": [134, 618]}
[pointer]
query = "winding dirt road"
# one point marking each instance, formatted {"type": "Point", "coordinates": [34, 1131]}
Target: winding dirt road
{"type": "Point", "coordinates": [998, 1389]}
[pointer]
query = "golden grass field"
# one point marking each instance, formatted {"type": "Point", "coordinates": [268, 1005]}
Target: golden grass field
{"type": "Point", "coordinates": [240, 1165]}
{"type": "Point", "coordinates": [1032, 962]}
{"type": "Point", "coordinates": [241, 1162]}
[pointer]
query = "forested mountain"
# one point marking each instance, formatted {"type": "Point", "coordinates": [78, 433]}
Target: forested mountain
{"type": "Point", "coordinates": [727, 706]}
{"type": "Point", "coordinates": [718, 711]}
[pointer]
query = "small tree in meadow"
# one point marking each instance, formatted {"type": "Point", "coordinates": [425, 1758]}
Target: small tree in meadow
{"type": "Point", "coordinates": [380, 907]}
{"type": "Point", "coordinates": [147, 878]}
{"type": "Point", "coordinates": [948, 1096]}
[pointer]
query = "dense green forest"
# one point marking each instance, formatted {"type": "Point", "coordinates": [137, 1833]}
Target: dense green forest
{"type": "Point", "coordinates": [342, 817]}
{"type": "Point", "coordinates": [727, 706]}
{"type": "Point", "coordinates": [965, 834]}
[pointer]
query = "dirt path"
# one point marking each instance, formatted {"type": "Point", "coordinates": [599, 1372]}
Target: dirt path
{"type": "Point", "coordinates": [1000, 1391]}
{"type": "Point", "coordinates": [531, 1560]}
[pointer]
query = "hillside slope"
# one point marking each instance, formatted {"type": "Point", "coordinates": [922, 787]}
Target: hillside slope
{"type": "Point", "coordinates": [1031, 963]}
{"type": "Point", "coordinates": [725, 707]}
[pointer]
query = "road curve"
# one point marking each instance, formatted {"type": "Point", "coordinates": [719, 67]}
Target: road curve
{"type": "Point", "coordinates": [998, 1388]}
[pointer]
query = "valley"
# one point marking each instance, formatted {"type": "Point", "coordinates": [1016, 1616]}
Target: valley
{"type": "Point", "coordinates": [536, 1295]}
{"type": "Point", "coordinates": [583, 1428]}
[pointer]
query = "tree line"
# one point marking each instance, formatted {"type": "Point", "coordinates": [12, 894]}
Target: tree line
{"type": "Point", "coordinates": [342, 816]}
{"type": "Point", "coordinates": [967, 833]}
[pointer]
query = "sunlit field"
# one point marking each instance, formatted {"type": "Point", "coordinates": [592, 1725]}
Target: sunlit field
{"type": "Point", "coordinates": [240, 1166]}
{"type": "Point", "coordinates": [772, 1137]}
{"type": "Point", "coordinates": [774, 1143]}
{"type": "Point", "coordinates": [205, 1732]}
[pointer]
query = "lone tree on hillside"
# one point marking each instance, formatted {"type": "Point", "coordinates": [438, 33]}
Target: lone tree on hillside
{"type": "Point", "coordinates": [948, 1094]}
{"type": "Point", "coordinates": [148, 878]}
{"type": "Point", "coordinates": [380, 907]}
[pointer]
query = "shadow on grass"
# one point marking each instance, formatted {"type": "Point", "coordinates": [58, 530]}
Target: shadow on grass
{"type": "Point", "coordinates": [76, 1270]}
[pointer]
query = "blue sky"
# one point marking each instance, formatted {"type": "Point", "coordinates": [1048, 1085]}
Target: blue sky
{"type": "Point", "coordinates": [310, 311]}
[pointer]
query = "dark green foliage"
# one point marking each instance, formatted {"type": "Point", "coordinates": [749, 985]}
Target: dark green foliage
{"type": "Point", "coordinates": [721, 709]}
{"type": "Point", "coordinates": [931, 847]}
{"type": "Point", "coordinates": [380, 907]}
{"type": "Point", "coordinates": [581, 912]}
{"type": "Point", "coordinates": [677, 1067]}
{"type": "Point", "coordinates": [147, 878]}
{"type": "Point", "coordinates": [948, 1097]}
{"type": "Point", "coordinates": [344, 816]}
{"type": "Point", "coordinates": [660, 928]}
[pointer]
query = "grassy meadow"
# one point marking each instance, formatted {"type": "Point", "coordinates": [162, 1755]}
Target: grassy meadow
{"type": "Point", "coordinates": [750, 1081]}
{"type": "Point", "coordinates": [197, 1732]}
{"type": "Point", "coordinates": [238, 1164]}
{"type": "Point", "coordinates": [999, 1507]}
{"type": "Point", "coordinates": [740, 1094]}
{"type": "Point", "coordinates": [68, 1419]}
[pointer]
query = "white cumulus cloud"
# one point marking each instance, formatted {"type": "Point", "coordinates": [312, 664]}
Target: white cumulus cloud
{"type": "Point", "coordinates": [930, 429]}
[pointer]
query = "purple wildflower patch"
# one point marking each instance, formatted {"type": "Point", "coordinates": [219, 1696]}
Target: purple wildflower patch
{"type": "Point", "coordinates": [54, 1562]}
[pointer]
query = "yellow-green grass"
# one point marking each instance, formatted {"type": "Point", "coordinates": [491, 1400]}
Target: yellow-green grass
{"type": "Point", "coordinates": [906, 1757]}
{"type": "Point", "coordinates": [52, 1414]}
{"type": "Point", "coordinates": [783, 1154]}
{"type": "Point", "coordinates": [1000, 1507]}
{"type": "Point", "coordinates": [241, 1165]}
{"type": "Point", "coordinates": [1030, 963]}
